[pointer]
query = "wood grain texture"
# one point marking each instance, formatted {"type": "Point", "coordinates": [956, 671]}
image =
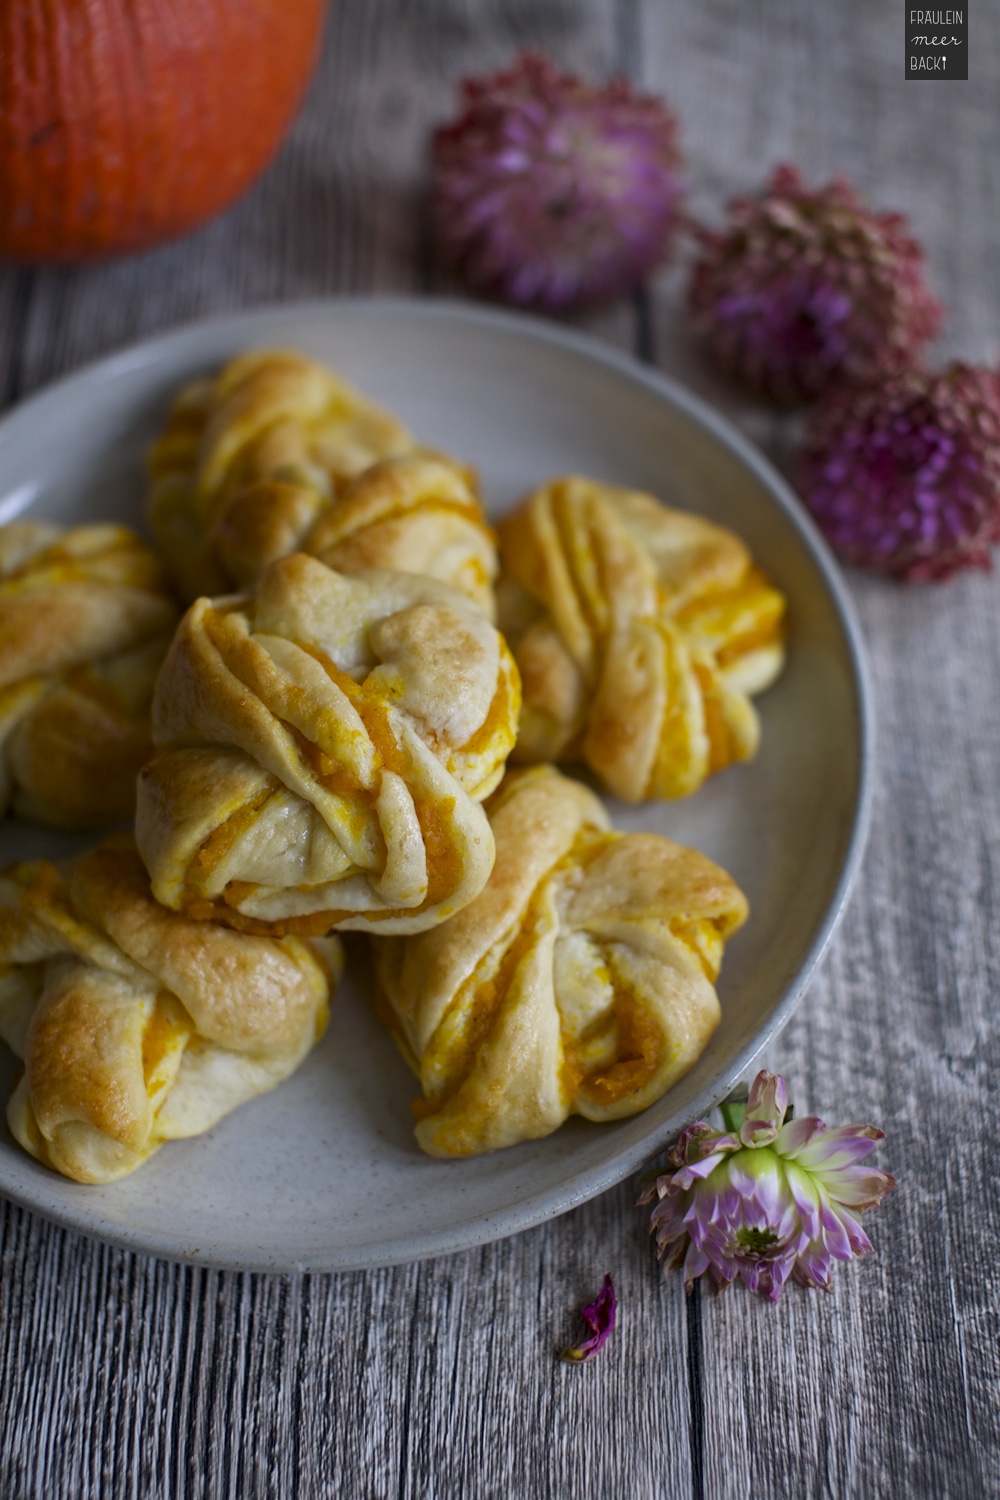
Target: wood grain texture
{"type": "Point", "coordinates": [124, 1376]}
{"type": "Point", "coordinates": [892, 1384]}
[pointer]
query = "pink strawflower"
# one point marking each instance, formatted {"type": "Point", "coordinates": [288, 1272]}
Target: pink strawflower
{"type": "Point", "coordinates": [807, 288]}
{"type": "Point", "coordinates": [765, 1200]}
{"type": "Point", "coordinates": [551, 192]}
{"type": "Point", "coordinates": [599, 1317]}
{"type": "Point", "coordinates": [904, 476]}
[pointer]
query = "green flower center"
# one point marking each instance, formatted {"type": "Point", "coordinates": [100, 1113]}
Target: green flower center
{"type": "Point", "coordinates": [755, 1241]}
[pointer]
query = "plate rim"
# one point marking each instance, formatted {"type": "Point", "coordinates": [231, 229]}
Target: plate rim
{"type": "Point", "coordinates": [589, 1182]}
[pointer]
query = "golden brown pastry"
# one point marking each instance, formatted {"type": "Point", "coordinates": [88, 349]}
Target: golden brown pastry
{"type": "Point", "coordinates": [136, 1025]}
{"type": "Point", "coordinates": [325, 745]}
{"type": "Point", "coordinates": [580, 981]}
{"type": "Point", "coordinates": [418, 514]}
{"type": "Point", "coordinates": [85, 619]}
{"type": "Point", "coordinates": [640, 633]}
{"type": "Point", "coordinates": [251, 458]}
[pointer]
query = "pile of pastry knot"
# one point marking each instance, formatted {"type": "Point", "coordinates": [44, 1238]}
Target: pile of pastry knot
{"type": "Point", "coordinates": [320, 743]}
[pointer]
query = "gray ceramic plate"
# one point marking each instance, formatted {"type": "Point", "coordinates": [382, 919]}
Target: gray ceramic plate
{"type": "Point", "coordinates": [324, 1173]}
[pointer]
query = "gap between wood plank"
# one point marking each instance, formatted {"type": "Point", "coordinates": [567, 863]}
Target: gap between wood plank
{"type": "Point", "coordinates": [696, 1398]}
{"type": "Point", "coordinates": [22, 285]}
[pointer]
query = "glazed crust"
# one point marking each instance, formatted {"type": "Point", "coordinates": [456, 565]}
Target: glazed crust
{"type": "Point", "coordinates": [85, 620]}
{"type": "Point", "coordinates": [250, 460]}
{"type": "Point", "coordinates": [580, 981]}
{"type": "Point", "coordinates": [640, 633]}
{"type": "Point", "coordinates": [324, 747]}
{"type": "Point", "coordinates": [137, 1025]}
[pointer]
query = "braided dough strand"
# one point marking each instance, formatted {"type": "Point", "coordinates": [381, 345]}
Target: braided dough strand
{"type": "Point", "coordinates": [581, 980]}
{"type": "Point", "coordinates": [639, 632]}
{"type": "Point", "coordinates": [250, 459]}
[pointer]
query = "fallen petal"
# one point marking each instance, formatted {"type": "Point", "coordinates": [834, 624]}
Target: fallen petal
{"type": "Point", "coordinates": [599, 1317]}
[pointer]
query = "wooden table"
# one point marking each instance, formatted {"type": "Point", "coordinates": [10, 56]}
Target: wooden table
{"type": "Point", "coordinates": [126, 1376]}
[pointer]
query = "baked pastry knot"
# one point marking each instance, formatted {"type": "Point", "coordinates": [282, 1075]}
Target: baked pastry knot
{"type": "Point", "coordinates": [251, 458]}
{"type": "Point", "coordinates": [85, 619]}
{"type": "Point", "coordinates": [325, 747]}
{"type": "Point", "coordinates": [640, 633]}
{"type": "Point", "coordinates": [418, 514]}
{"type": "Point", "coordinates": [580, 981]}
{"type": "Point", "coordinates": [136, 1025]}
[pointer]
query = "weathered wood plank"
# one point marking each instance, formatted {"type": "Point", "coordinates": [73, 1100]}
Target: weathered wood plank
{"type": "Point", "coordinates": [123, 1375]}
{"type": "Point", "coordinates": [890, 1385]}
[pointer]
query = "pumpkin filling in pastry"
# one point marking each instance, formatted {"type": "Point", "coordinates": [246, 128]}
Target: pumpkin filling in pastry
{"type": "Point", "coordinates": [324, 748]}
{"type": "Point", "coordinates": [640, 633]}
{"type": "Point", "coordinates": [580, 980]}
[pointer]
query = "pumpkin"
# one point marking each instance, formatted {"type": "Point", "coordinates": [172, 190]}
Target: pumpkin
{"type": "Point", "coordinates": [126, 122]}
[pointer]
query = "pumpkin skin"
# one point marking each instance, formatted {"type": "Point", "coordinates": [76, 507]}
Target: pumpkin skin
{"type": "Point", "coordinates": [126, 122]}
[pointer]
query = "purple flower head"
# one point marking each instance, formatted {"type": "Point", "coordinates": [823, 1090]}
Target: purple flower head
{"type": "Point", "coordinates": [599, 1317]}
{"type": "Point", "coordinates": [765, 1199]}
{"type": "Point", "coordinates": [903, 476]}
{"type": "Point", "coordinates": [551, 192]}
{"type": "Point", "coordinates": [807, 289]}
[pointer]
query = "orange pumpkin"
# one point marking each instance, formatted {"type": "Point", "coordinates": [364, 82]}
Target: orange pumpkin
{"type": "Point", "coordinates": [124, 122]}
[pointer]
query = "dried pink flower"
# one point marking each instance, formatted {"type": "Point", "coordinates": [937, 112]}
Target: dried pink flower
{"type": "Point", "coordinates": [904, 476]}
{"type": "Point", "coordinates": [599, 1317]}
{"type": "Point", "coordinates": [807, 288]}
{"type": "Point", "coordinates": [765, 1199]}
{"type": "Point", "coordinates": [551, 192]}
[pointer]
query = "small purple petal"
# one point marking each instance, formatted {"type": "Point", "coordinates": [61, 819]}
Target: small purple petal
{"type": "Point", "coordinates": [839, 1148]}
{"type": "Point", "coordinates": [599, 1317]}
{"type": "Point", "coordinates": [687, 1176]}
{"type": "Point", "coordinates": [667, 1219]}
{"type": "Point", "coordinates": [859, 1189]}
{"type": "Point", "coordinates": [858, 1240]}
{"type": "Point", "coordinates": [696, 1263]}
{"type": "Point", "coordinates": [806, 1198]}
{"type": "Point", "coordinates": [688, 1141]}
{"type": "Point", "coordinates": [796, 1134]}
{"type": "Point", "coordinates": [812, 1268]}
{"type": "Point", "coordinates": [766, 1108]}
{"type": "Point", "coordinates": [835, 1235]}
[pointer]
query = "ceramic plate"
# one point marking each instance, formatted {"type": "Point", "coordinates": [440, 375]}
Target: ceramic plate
{"type": "Point", "coordinates": [324, 1172]}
